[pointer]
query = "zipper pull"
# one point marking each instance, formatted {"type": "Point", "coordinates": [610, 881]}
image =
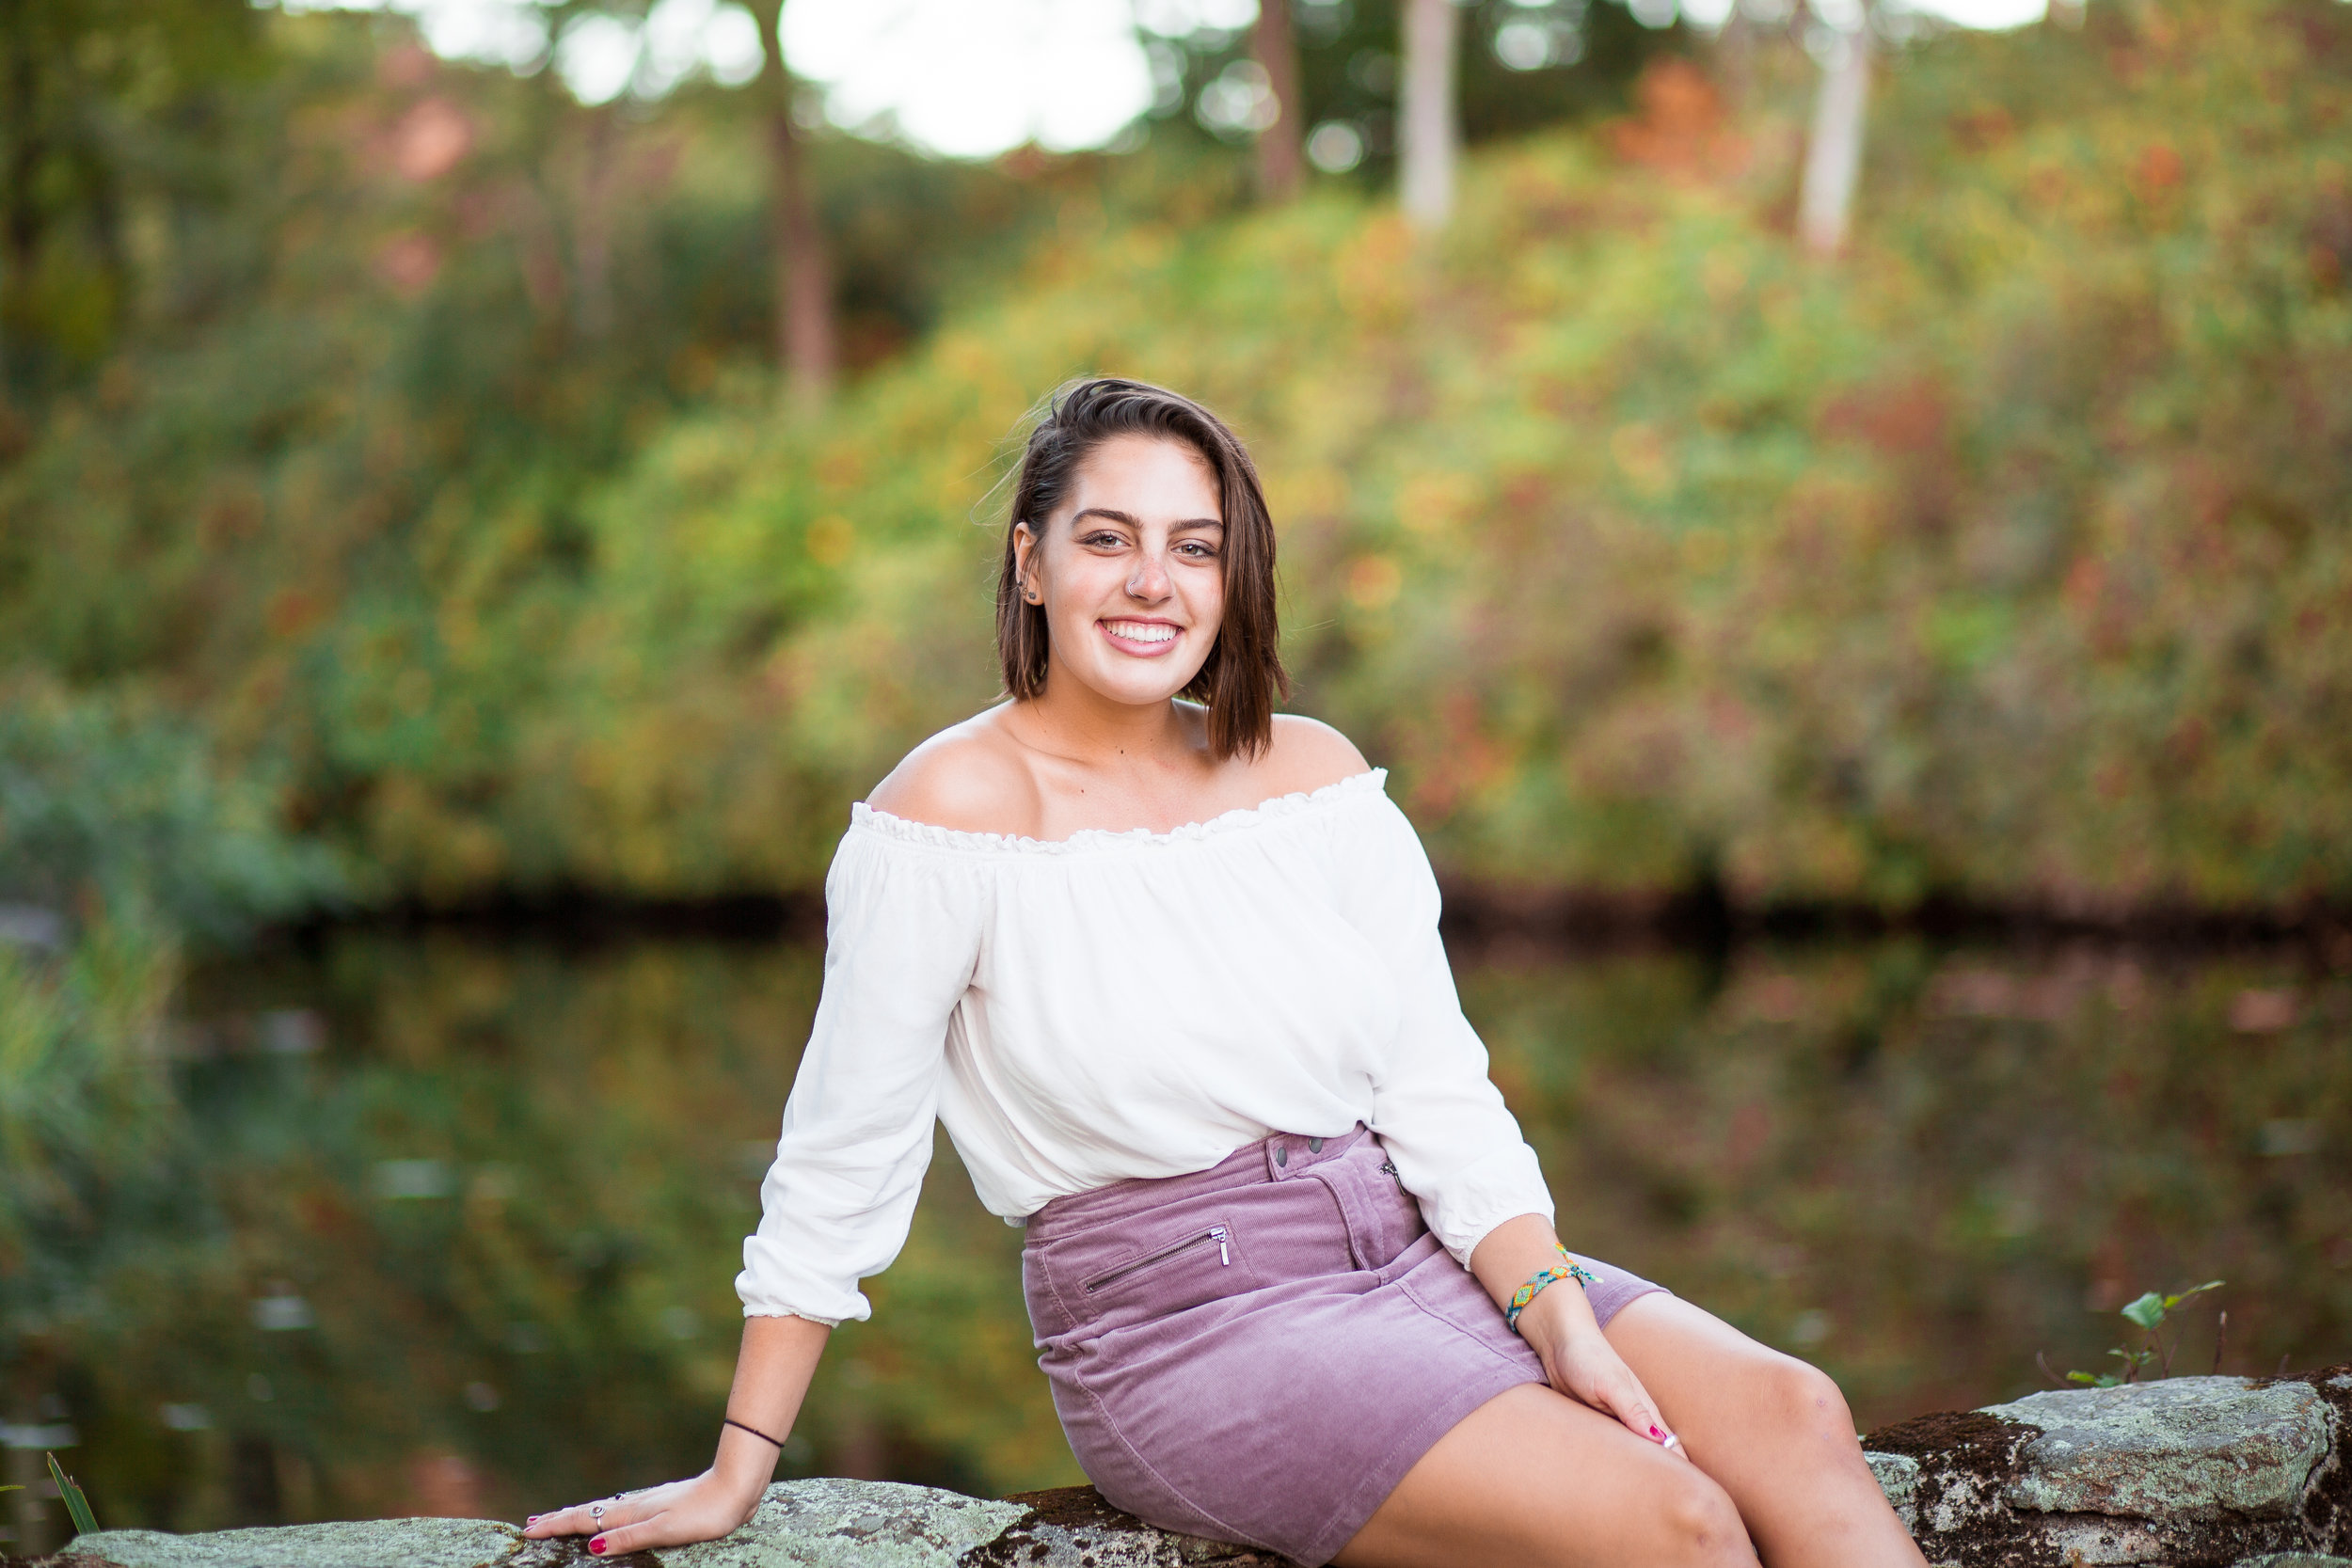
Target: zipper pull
{"type": "Point", "coordinates": [1224, 1253]}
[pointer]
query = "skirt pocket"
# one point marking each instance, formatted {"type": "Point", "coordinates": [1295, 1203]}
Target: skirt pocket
{"type": "Point", "coordinates": [1178, 1251]}
{"type": "Point", "coordinates": [1116, 1276]}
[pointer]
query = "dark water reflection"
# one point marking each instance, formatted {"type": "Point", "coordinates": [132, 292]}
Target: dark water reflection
{"type": "Point", "coordinates": [462, 1227]}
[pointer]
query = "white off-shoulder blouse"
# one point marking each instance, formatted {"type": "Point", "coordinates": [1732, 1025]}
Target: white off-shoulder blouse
{"type": "Point", "coordinates": [1120, 1005]}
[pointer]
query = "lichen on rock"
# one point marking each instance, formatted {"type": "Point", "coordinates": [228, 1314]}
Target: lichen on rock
{"type": "Point", "coordinates": [2189, 1447]}
{"type": "Point", "coordinates": [1898, 1476]}
{"type": "Point", "coordinates": [353, 1543]}
{"type": "Point", "coordinates": [853, 1524]}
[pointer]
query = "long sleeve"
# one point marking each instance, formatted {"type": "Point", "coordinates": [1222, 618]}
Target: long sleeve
{"type": "Point", "coordinates": [1456, 1145]}
{"type": "Point", "coordinates": [902, 933]}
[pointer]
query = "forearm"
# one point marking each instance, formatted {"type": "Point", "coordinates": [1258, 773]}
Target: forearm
{"type": "Point", "coordinates": [1559, 1326]}
{"type": "Point", "coordinates": [1514, 1253]}
{"type": "Point", "coordinates": [772, 1375]}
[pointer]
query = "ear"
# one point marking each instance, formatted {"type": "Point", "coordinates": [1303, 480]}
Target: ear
{"type": "Point", "coordinates": [1026, 556]}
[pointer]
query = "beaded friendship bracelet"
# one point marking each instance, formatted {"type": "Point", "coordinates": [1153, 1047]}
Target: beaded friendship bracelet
{"type": "Point", "coordinates": [1567, 1268]}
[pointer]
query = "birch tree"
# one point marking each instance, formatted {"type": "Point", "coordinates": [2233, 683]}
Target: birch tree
{"type": "Point", "coordinates": [1429, 129]}
{"type": "Point", "coordinates": [1833, 159]}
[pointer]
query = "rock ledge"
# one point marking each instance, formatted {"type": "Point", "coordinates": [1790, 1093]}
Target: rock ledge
{"type": "Point", "coordinates": [2197, 1472]}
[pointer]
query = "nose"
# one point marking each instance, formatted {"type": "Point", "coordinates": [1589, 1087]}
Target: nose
{"type": "Point", "coordinates": [1149, 581]}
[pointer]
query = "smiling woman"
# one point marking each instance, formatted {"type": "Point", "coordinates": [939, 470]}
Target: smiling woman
{"type": "Point", "coordinates": [1202, 567]}
{"type": "Point", "coordinates": [1166, 965]}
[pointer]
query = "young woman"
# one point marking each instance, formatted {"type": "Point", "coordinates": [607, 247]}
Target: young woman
{"type": "Point", "coordinates": [1167, 965]}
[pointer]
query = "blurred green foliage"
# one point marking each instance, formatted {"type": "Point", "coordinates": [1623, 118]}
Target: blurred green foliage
{"type": "Point", "coordinates": [111, 804]}
{"type": "Point", "coordinates": [2001, 560]}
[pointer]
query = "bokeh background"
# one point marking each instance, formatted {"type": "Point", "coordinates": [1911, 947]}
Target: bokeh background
{"type": "Point", "coordinates": [1834, 514]}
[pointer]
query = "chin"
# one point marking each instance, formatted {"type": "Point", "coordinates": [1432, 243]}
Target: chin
{"type": "Point", "coordinates": [1139, 687]}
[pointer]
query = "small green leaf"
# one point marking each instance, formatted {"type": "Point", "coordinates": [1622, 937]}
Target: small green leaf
{"type": "Point", "coordinates": [2146, 1311]}
{"type": "Point", "coordinates": [11, 1489]}
{"type": "Point", "coordinates": [2093, 1379]}
{"type": "Point", "coordinates": [2170, 1302]}
{"type": "Point", "coordinates": [84, 1522]}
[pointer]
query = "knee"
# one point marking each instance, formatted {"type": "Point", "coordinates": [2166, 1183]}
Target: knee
{"type": "Point", "coordinates": [1804, 1398]}
{"type": "Point", "coordinates": [1701, 1526]}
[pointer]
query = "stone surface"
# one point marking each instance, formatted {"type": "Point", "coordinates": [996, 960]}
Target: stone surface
{"type": "Point", "coordinates": [2191, 1473]}
{"type": "Point", "coordinates": [2186, 1473]}
{"type": "Point", "coordinates": [841, 1524]}
{"type": "Point", "coordinates": [2190, 1446]}
{"type": "Point", "coordinates": [1899, 1478]}
{"type": "Point", "coordinates": [361, 1543]}
{"type": "Point", "coordinates": [1072, 1527]}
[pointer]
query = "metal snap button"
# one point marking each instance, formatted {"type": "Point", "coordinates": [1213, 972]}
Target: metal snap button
{"type": "Point", "coordinates": [1314, 1146]}
{"type": "Point", "coordinates": [1281, 1154]}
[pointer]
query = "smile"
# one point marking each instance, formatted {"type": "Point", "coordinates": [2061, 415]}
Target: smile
{"type": "Point", "coordinates": [1141, 636]}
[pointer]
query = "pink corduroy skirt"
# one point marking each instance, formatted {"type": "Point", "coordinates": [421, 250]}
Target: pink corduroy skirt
{"type": "Point", "coordinates": [1259, 1352]}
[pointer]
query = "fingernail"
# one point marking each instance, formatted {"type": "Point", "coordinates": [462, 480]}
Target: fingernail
{"type": "Point", "coordinates": [532, 1520]}
{"type": "Point", "coordinates": [597, 1545]}
{"type": "Point", "coordinates": [1660, 1435]}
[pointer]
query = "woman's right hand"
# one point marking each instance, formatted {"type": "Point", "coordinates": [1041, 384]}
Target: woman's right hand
{"type": "Point", "coordinates": [1581, 1363]}
{"type": "Point", "coordinates": [672, 1514]}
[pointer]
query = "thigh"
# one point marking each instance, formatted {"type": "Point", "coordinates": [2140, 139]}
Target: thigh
{"type": "Point", "coordinates": [1531, 1478]}
{"type": "Point", "coordinates": [1719, 1389]}
{"type": "Point", "coordinates": [1774, 1432]}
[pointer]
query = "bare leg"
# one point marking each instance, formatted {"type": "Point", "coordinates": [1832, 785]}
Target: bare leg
{"type": "Point", "coordinates": [1532, 1478]}
{"type": "Point", "coordinates": [1774, 1432]}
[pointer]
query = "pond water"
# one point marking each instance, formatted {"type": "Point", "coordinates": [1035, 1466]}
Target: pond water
{"type": "Point", "coordinates": [462, 1215]}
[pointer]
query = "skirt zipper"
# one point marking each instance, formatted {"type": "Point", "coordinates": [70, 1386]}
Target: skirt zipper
{"type": "Point", "coordinates": [1214, 1234]}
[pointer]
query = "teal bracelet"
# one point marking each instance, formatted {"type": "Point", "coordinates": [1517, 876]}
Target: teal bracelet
{"type": "Point", "coordinates": [1567, 1268]}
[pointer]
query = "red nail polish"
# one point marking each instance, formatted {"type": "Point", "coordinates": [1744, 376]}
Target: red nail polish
{"type": "Point", "coordinates": [1660, 1435]}
{"type": "Point", "coordinates": [597, 1545]}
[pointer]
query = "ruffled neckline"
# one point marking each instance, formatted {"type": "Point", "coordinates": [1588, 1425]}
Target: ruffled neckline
{"type": "Point", "coordinates": [1095, 839]}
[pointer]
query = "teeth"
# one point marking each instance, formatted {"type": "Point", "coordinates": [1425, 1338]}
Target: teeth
{"type": "Point", "coordinates": [1141, 631]}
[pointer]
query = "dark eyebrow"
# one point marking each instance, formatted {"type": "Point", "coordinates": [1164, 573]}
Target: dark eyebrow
{"type": "Point", "coordinates": [1119, 517]}
{"type": "Point", "coordinates": [1137, 523]}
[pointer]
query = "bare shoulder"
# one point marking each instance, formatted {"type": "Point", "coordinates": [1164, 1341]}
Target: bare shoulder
{"type": "Point", "coordinates": [1306, 754]}
{"type": "Point", "coordinates": [969, 777]}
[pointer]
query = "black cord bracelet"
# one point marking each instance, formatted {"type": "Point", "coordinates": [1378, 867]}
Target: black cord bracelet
{"type": "Point", "coordinates": [753, 1431]}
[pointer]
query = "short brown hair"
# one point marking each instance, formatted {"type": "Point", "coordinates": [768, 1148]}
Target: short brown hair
{"type": "Point", "coordinates": [1243, 678]}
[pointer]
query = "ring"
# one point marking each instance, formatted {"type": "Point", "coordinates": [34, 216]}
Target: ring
{"type": "Point", "coordinates": [1671, 1442]}
{"type": "Point", "coordinates": [595, 1511]}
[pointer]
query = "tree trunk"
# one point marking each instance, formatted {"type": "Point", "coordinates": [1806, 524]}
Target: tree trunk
{"type": "Point", "coordinates": [1281, 163]}
{"type": "Point", "coordinates": [805, 335]}
{"type": "Point", "coordinates": [1428, 133]}
{"type": "Point", "coordinates": [592, 235]}
{"type": "Point", "coordinates": [20, 211]}
{"type": "Point", "coordinates": [1834, 160]}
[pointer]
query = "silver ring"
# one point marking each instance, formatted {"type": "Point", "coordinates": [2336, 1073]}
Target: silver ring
{"type": "Point", "coordinates": [1671, 1442]}
{"type": "Point", "coordinates": [595, 1511]}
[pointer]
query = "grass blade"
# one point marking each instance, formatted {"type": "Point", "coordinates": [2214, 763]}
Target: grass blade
{"type": "Point", "coordinates": [85, 1523]}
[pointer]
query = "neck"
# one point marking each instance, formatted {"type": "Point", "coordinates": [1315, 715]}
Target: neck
{"type": "Point", "coordinates": [1071, 720]}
